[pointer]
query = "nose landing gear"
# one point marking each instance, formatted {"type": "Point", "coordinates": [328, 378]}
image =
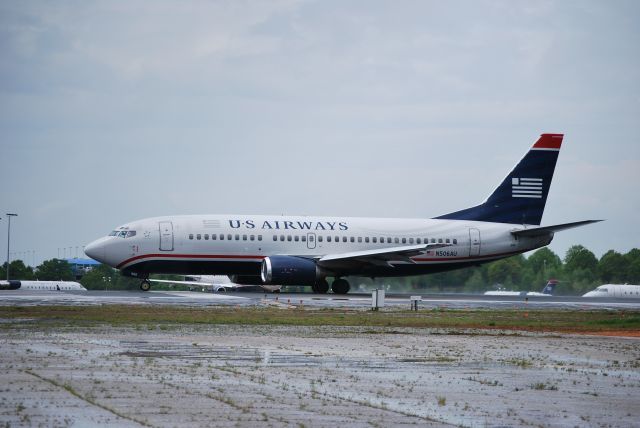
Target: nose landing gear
{"type": "Point", "coordinates": [145, 285]}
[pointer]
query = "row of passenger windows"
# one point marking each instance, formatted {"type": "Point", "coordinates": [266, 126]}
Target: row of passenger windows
{"type": "Point", "coordinates": [303, 238]}
{"type": "Point", "coordinates": [221, 237]}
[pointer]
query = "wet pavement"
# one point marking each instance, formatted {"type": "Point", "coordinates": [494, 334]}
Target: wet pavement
{"type": "Point", "coordinates": [355, 300]}
{"type": "Point", "coordinates": [313, 376]}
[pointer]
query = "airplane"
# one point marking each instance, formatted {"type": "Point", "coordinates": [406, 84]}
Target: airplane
{"type": "Point", "coordinates": [214, 283]}
{"type": "Point", "coordinates": [620, 291]}
{"type": "Point", "coordinates": [547, 291]}
{"type": "Point", "coordinates": [306, 250]}
{"type": "Point", "coordinates": [19, 284]}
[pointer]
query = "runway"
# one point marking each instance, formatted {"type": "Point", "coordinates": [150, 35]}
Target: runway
{"type": "Point", "coordinates": [355, 301]}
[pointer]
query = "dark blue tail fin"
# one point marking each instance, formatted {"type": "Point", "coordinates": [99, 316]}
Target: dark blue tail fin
{"type": "Point", "coordinates": [550, 288]}
{"type": "Point", "coordinates": [521, 197]}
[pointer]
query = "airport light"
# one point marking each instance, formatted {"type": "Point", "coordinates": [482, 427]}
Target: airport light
{"type": "Point", "coordinates": [9, 239]}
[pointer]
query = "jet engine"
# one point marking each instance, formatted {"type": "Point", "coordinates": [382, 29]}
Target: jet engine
{"type": "Point", "coordinates": [289, 270]}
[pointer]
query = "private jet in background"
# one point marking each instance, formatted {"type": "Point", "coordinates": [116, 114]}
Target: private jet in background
{"type": "Point", "coordinates": [294, 250]}
{"type": "Point", "coordinates": [18, 284]}
{"type": "Point", "coordinates": [547, 291]}
{"type": "Point", "coordinates": [619, 291]}
{"type": "Point", "coordinates": [214, 283]}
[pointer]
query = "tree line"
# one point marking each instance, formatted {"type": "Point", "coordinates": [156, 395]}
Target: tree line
{"type": "Point", "coordinates": [578, 272]}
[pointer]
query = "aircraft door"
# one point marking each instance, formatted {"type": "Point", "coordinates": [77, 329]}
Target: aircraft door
{"type": "Point", "coordinates": [474, 242]}
{"type": "Point", "coordinates": [166, 235]}
{"type": "Point", "coordinates": [311, 240]}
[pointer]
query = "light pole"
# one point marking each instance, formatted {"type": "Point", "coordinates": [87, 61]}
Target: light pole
{"type": "Point", "coordinates": [9, 239]}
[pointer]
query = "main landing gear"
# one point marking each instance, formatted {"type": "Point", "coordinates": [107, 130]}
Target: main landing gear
{"type": "Point", "coordinates": [145, 285]}
{"type": "Point", "coordinates": [339, 286]}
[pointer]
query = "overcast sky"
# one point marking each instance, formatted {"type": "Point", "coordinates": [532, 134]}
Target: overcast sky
{"type": "Point", "coordinates": [115, 111]}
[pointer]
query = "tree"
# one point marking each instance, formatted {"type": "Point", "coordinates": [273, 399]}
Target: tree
{"type": "Point", "coordinates": [101, 277]}
{"type": "Point", "coordinates": [578, 257]}
{"type": "Point", "coordinates": [54, 270]}
{"type": "Point", "coordinates": [612, 267]}
{"type": "Point", "coordinates": [17, 270]}
{"type": "Point", "coordinates": [507, 271]}
{"type": "Point", "coordinates": [633, 266]}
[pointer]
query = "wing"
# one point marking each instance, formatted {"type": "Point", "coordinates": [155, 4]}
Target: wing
{"type": "Point", "coordinates": [546, 230]}
{"type": "Point", "coordinates": [379, 257]}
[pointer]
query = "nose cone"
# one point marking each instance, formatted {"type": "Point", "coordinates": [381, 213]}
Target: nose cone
{"type": "Point", "coordinates": [96, 250]}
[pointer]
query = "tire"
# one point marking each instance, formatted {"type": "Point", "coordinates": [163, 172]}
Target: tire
{"type": "Point", "coordinates": [340, 286]}
{"type": "Point", "coordinates": [145, 286]}
{"type": "Point", "coordinates": [322, 286]}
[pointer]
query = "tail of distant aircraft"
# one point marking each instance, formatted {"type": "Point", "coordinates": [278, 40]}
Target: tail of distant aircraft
{"type": "Point", "coordinates": [522, 195]}
{"type": "Point", "coordinates": [550, 288]}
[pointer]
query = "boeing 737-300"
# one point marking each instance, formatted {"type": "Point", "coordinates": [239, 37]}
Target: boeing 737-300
{"type": "Point", "coordinates": [293, 250]}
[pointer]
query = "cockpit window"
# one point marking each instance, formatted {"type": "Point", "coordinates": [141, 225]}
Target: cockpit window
{"type": "Point", "coordinates": [131, 233]}
{"type": "Point", "coordinates": [122, 234]}
{"type": "Point", "coordinates": [113, 233]}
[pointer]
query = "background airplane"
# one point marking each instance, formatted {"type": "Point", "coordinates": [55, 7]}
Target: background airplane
{"type": "Point", "coordinates": [619, 291]}
{"type": "Point", "coordinates": [295, 250]}
{"type": "Point", "coordinates": [214, 283]}
{"type": "Point", "coordinates": [41, 285]}
{"type": "Point", "coordinates": [547, 291]}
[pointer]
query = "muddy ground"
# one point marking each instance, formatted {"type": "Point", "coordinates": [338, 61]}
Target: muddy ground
{"type": "Point", "coordinates": [313, 376]}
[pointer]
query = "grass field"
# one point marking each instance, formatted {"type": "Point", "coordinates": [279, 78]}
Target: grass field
{"type": "Point", "coordinates": [621, 322]}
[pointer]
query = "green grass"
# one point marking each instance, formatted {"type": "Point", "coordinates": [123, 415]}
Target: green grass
{"type": "Point", "coordinates": [166, 316]}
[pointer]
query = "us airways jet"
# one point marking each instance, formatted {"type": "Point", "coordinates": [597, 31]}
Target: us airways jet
{"type": "Point", "coordinates": [290, 250]}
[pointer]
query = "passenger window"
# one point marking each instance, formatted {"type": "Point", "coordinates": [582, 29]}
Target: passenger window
{"type": "Point", "coordinates": [229, 237]}
{"type": "Point", "coordinates": [418, 241]}
{"type": "Point", "coordinates": [328, 238]}
{"type": "Point", "coordinates": [275, 237]}
{"type": "Point", "coordinates": [410, 240]}
{"type": "Point", "coordinates": [397, 240]}
{"type": "Point", "coordinates": [244, 237]}
{"type": "Point", "coordinates": [206, 236]}
{"type": "Point", "coordinates": [320, 238]}
{"type": "Point", "coordinates": [252, 237]}
{"type": "Point", "coordinates": [296, 238]}
{"type": "Point", "coordinates": [455, 241]}
{"type": "Point", "coordinates": [375, 239]}
{"type": "Point", "coordinates": [448, 241]}
{"type": "Point", "coordinates": [213, 236]}
{"type": "Point", "coordinates": [359, 238]}
{"type": "Point", "coordinates": [221, 237]}
{"type": "Point", "coordinates": [344, 239]}
{"type": "Point", "coordinates": [237, 237]}
{"type": "Point", "coordinates": [404, 240]}
{"type": "Point", "coordinates": [366, 239]}
{"type": "Point", "coordinates": [440, 241]}
{"type": "Point", "coordinates": [433, 240]}
{"type": "Point", "coordinates": [352, 239]}
{"type": "Point", "coordinates": [304, 238]}
{"type": "Point", "coordinates": [259, 237]}
{"type": "Point", "coordinates": [191, 236]}
{"type": "Point", "coordinates": [337, 239]}
{"type": "Point", "coordinates": [282, 237]}
{"type": "Point", "coordinates": [198, 237]}
{"type": "Point", "coordinates": [289, 238]}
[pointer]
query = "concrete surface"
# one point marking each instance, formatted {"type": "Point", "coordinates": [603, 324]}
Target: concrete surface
{"type": "Point", "coordinates": [312, 376]}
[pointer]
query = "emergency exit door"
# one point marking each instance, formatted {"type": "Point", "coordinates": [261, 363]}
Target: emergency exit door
{"type": "Point", "coordinates": [166, 235]}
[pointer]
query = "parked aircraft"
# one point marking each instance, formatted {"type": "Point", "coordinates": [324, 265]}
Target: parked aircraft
{"type": "Point", "coordinates": [41, 285]}
{"type": "Point", "coordinates": [547, 291]}
{"type": "Point", "coordinates": [213, 283]}
{"type": "Point", "coordinates": [619, 291]}
{"type": "Point", "coordinates": [294, 250]}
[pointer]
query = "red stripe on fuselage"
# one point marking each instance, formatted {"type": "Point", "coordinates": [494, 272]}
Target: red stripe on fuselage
{"type": "Point", "coordinates": [188, 256]}
{"type": "Point", "coordinates": [549, 141]}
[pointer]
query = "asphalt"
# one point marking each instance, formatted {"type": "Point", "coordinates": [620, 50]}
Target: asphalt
{"type": "Point", "coordinates": [356, 300]}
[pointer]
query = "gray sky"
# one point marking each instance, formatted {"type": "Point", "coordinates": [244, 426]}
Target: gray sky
{"type": "Point", "coordinates": [114, 111]}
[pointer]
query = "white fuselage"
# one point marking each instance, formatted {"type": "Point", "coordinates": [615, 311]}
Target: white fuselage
{"type": "Point", "coordinates": [619, 291]}
{"type": "Point", "coordinates": [237, 244]}
{"type": "Point", "coordinates": [41, 285]}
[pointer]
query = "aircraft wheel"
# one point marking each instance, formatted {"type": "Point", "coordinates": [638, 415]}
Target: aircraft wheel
{"type": "Point", "coordinates": [322, 286]}
{"type": "Point", "coordinates": [145, 285]}
{"type": "Point", "coordinates": [340, 286]}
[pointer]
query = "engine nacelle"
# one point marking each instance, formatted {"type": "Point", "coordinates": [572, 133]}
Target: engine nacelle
{"type": "Point", "coordinates": [289, 270]}
{"type": "Point", "coordinates": [246, 279]}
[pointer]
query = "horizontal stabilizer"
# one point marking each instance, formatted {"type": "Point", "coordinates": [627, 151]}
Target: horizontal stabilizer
{"type": "Point", "coordinates": [546, 230]}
